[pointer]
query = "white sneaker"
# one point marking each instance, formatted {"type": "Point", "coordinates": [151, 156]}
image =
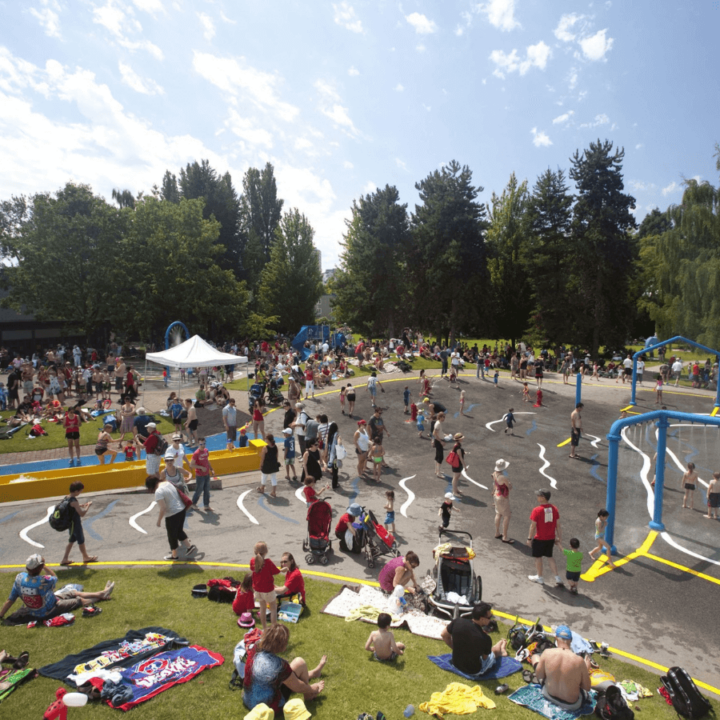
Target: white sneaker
{"type": "Point", "coordinates": [536, 578]}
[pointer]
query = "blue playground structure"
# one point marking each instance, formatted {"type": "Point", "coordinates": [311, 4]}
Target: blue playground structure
{"type": "Point", "coordinates": [615, 436]}
{"type": "Point", "coordinates": [676, 339]}
{"type": "Point", "coordinates": [316, 333]}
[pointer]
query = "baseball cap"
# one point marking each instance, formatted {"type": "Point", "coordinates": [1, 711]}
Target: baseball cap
{"type": "Point", "coordinates": [449, 496]}
{"type": "Point", "coordinates": [287, 431]}
{"type": "Point", "coordinates": [563, 632]}
{"type": "Point", "coordinates": [543, 492]}
{"type": "Point", "coordinates": [151, 425]}
{"type": "Point", "coordinates": [141, 411]}
{"type": "Point", "coordinates": [362, 422]}
{"type": "Point", "coordinates": [34, 561]}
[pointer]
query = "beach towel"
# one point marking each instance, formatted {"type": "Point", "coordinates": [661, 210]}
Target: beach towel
{"type": "Point", "coordinates": [532, 698]}
{"type": "Point", "coordinates": [457, 699]}
{"type": "Point", "coordinates": [503, 667]}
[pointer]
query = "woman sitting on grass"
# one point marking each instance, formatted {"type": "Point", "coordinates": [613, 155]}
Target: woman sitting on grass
{"type": "Point", "coordinates": [271, 679]}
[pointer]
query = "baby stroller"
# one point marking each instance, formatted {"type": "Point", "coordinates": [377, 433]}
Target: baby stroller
{"type": "Point", "coordinates": [257, 392]}
{"type": "Point", "coordinates": [275, 397]}
{"type": "Point", "coordinates": [373, 539]}
{"type": "Point", "coordinates": [318, 543]}
{"type": "Point", "coordinates": [457, 588]}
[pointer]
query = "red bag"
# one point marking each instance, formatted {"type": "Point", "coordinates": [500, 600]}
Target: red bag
{"type": "Point", "coordinates": [452, 458]}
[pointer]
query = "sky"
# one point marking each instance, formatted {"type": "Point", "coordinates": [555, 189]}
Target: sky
{"type": "Point", "coordinates": [345, 97]}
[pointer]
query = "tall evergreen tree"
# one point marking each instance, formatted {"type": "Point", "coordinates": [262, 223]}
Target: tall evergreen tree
{"type": "Point", "coordinates": [548, 256]}
{"type": "Point", "coordinates": [507, 236]}
{"type": "Point", "coordinates": [170, 190]}
{"type": "Point", "coordinates": [370, 285]}
{"type": "Point", "coordinates": [291, 282]}
{"type": "Point", "coordinates": [603, 261]}
{"type": "Point", "coordinates": [199, 180]}
{"type": "Point", "coordinates": [447, 264]}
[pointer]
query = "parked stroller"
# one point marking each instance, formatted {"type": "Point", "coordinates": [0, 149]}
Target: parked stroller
{"type": "Point", "coordinates": [457, 588]}
{"type": "Point", "coordinates": [275, 397]}
{"type": "Point", "coordinates": [373, 539]}
{"type": "Point", "coordinates": [257, 392]}
{"type": "Point", "coordinates": [318, 543]}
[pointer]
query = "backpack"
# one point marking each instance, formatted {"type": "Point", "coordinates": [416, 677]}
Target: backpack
{"type": "Point", "coordinates": [61, 517]}
{"type": "Point", "coordinates": [162, 446]}
{"type": "Point", "coordinates": [611, 705]}
{"type": "Point", "coordinates": [685, 697]}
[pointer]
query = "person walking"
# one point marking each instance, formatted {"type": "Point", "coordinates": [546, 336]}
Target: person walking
{"type": "Point", "coordinates": [501, 497]}
{"type": "Point", "coordinates": [77, 535]}
{"type": "Point", "coordinates": [269, 465]}
{"type": "Point", "coordinates": [362, 445]}
{"type": "Point", "coordinates": [575, 429]}
{"type": "Point", "coordinates": [438, 443]}
{"type": "Point", "coordinates": [543, 535]}
{"type": "Point", "coordinates": [350, 397]}
{"type": "Point", "coordinates": [457, 455]}
{"type": "Point", "coordinates": [172, 509]}
{"type": "Point", "coordinates": [229, 415]}
{"type": "Point", "coordinates": [200, 463]}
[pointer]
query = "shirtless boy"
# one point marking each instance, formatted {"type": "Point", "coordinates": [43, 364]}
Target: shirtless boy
{"type": "Point", "coordinates": [382, 641]}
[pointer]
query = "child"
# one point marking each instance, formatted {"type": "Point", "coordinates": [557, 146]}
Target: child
{"type": "Point", "coordinates": [413, 412]}
{"type": "Point", "coordinates": [165, 378]}
{"type": "Point", "coordinates": [390, 511]}
{"type": "Point", "coordinates": [658, 390]}
{"type": "Point", "coordinates": [713, 496]}
{"type": "Point", "coordinates": [311, 495]}
{"type": "Point", "coordinates": [406, 399]}
{"type": "Point", "coordinates": [289, 453]}
{"type": "Point", "coordinates": [243, 440]}
{"type": "Point", "coordinates": [600, 524]}
{"type": "Point", "coordinates": [244, 599]}
{"type": "Point", "coordinates": [382, 641]}
{"type": "Point", "coordinates": [573, 558]}
{"type": "Point", "coordinates": [526, 393]}
{"type": "Point", "coordinates": [496, 378]}
{"type": "Point", "coordinates": [538, 398]}
{"type": "Point", "coordinates": [462, 402]}
{"type": "Point", "coordinates": [342, 399]}
{"type": "Point", "coordinates": [376, 453]}
{"type": "Point", "coordinates": [453, 374]}
{"type": "Point", "coordinates": [509, 420]}
{"type": "Point", "coordinates": [263, 570]}
{"type": "Point", "coordinates": [421, 422]}
{"type": "Point", "coordinates": [446, 509]}
{"type": "Point", "coordinates": [129, 451]}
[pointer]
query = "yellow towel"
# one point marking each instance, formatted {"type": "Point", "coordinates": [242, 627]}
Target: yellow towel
{"type": "Point", "coordinates": [368, 612]}
{"type": "Point", "coordinates": [457, 699]}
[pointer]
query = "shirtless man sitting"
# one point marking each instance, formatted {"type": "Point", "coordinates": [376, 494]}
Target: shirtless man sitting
{"type": "Point", "coordinates": [565, 676]}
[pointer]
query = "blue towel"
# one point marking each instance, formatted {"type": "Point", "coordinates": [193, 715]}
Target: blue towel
{"type": "Point", "coordinates": [532, 698]}
{"type": "Point", "coordinates": [503, 667]}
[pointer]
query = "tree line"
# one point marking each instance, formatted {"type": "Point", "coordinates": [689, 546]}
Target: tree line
{"type": "Point", "coordinates": [228, 264]}
{"type": "Point", "coordinates": [547, 263]}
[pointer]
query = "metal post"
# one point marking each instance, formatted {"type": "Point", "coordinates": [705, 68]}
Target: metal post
{"type": "Point", "coordinates": [578, 389]}
{"type": "Point", "coordinates": [634, 382]}
{"type": "Point", "coordinates": [613, 443]}
{"type": "Point", "coordinates": [656, 523]}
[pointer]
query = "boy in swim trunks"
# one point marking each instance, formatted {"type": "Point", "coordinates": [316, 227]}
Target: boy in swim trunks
{"type": "Point", "coordinates": [382, 641]}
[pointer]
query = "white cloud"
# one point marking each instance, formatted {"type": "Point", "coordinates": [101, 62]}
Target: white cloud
{"type": "Point", "coordinates": [640, 185]}
{"type": "Point", "coordinates": [563, 118]}
{"type": "Point", "coordinates": [235, 76]}
{"type": "Point", "coordinates": [348, 165]}
{"type": "Point", "coordinates": [134, 81]}
{"type": "Point", "coordinates": [302, 143]}
{"type": "Point", "coordinates": [420, 48]}
{"type": "Point", "coordinates": [427, 107]}
{"type": "Point", "coordinates": [109, 16]}
{"type": "Point", "coordinates": [48, 17]}
{"type": "Point", "coordinates": [672, 187]}
{"type": "Point", "coordinates": [326, 89]}
{"type": "Point", "coordinates": [459, 30]}
{"type": "Point", "coordinates": [131, 45]}
{"type": "Point", "coordinates": [208, 26]}
{"type": "Point", "coordinates": [339, 115]}
{"type": "Point", "coordinates": [353, 71]}
{"type": "Point", "coordinates": [565, 29]}
{"type": "Point", "coordinates": [149, 6]}
{"type": "Point", "coordinates": [540, 139]}
{"type": "Point", "coordinates": [422, 25]}
{"type": "Point", "coordinates": [226, 19]}
{"type": "Point", "coordinates": [601, 119]}
{"type": "Point", "coordinates": [500, 14]}
{"type": "Point", "coordinates": [639, 146]}
{"type": "Point", "coordinates": [114, 19]}
{"type": "Point", "coordinates": [400, 164]}
{"type": "Point", "coordinates": [399, 88]}
{"type": "Point", "coordinates": [573, 79]}
{"type": "Point", "coordinates": [595, 46]}
{"type": "Point", "coordinates": [370, 187]}
{"type": "Point", "coordinates": [346, 17]}
{"type": "Point", "coordinates": [535, 56]}
{"type": "Point", "coordinates": [245, 129]}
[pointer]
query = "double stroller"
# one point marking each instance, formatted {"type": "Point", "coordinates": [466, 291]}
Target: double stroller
{"type": "Point", "coordinates": [373, 539]}
{"type": "Point", "coordinates": [318, 545]}
{"type": "Point", "coordinates": [457, 588]}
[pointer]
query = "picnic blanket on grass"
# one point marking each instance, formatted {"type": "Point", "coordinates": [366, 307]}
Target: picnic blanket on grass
{"type": "Point", "coordinates": [503, 667]}
{"type": "Point", "coordinates": [350, 599]}
{"type": "Point", "coordinates": [532, 698]}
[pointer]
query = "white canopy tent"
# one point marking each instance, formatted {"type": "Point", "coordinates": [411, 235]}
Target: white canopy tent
{"type": "Point", "coordinates": [193, 353]}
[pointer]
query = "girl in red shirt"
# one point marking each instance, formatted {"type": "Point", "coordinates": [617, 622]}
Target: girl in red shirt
{"type": "Point", "coordinates": [72, 433]}
{"type": "Point", "coordinates": [244, 599]}
{"type": "Point", "coordinates": [263, 570]}
{"type": "Point", "coordinates": [294, 582]}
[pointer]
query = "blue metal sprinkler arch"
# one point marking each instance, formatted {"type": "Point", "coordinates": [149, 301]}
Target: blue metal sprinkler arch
{"type": "Point", "coordinates": [167, 336]}
{"type": "Point", "coordinates": [676, 339]}
{"type": "Point", "coordinates": [614, 437]}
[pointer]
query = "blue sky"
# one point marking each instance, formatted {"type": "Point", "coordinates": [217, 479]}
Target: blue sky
{"type": "Point", "coordinates": [343, 97]}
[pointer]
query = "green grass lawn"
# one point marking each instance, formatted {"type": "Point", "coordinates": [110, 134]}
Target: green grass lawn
{"type": "Point", "coordinates": [55, 437]}
{"type": "Point", "coordinates": [354, 682]}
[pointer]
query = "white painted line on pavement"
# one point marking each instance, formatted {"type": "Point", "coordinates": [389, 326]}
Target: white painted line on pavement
{"type": "Point", "coordinates": [469, 479]}
{"type": "Point", "coordinates": [243, 508]}
{"type": "Point", "coordinates": [24, 531]}
{"type": "Point", "coordinates": [553, 481]}
{"type": "Point", "coordinates": [495, 422]}
{"type": "Point", "coordinates": [410, 493]}
{"type": "Point", "coordinates": [133, 519]}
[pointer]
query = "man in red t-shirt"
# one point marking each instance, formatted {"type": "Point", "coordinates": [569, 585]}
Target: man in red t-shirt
{"type": "Point", "coordinates": [152, 461]}
{"type": "Point", "coordinates": [544, 534]}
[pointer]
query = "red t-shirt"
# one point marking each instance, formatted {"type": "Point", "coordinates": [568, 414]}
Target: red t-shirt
{"type": "Point", "coordinates": [294, 583]}
{"type": "Point", "coordinates": [151, 443]}
{"type": "Point", "coordinates": [202, 463]}
{"type": "Point", "coordinates": [309, 374]}
{"type": "Point", "coordinates": [72, 424]}
{"type": "Point", "coordinates": [546, 517]}
{"type": "Point", "coordinates": [310, 494]}
{"type": "Point", "coordinates": [243, 602]}
{"type": "Point", "coordinates": [343, 523]}
{"type": "Point", "coordinates": [263, 580]}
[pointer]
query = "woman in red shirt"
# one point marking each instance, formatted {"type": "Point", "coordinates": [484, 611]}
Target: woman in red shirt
{"type": "Point", "coordinates": [258, 419]}
{"type": "Point", "coordinates": [263, 569]}
{"type": "Point", "coordinates": [294, 582]}
{"type": "Point", "coordinates": [71, 423]}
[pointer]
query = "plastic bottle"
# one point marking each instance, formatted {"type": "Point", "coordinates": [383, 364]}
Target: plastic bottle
{"type": "Point", "coordinates": [409, 711]}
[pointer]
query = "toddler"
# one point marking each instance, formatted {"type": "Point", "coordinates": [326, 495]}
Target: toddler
{"type": "Point", "coordinates": [600, 524]}
{"type": "Point", "coordinates": [389, 508]}
{"type": "Point", "coordinates": [573, 558]}
{"type": "Point", "coordinates": [243, 440]}
{"type": "Point", "coordinates": [496, 378]}
{"type": "Point", "coordinates": [129, 451]}
{"type": "Point", "coordinates": [244, 599]}
{"type": "Point", "coordinates": [263, 570]}
{"type": "Point", "coordinates": [526, 393]}
{"type": "Point", "coordinates": [509, 420]}
{"type": "Point", "coordinates": [376, 453]}
{"type": "Point", "coordinates": [382, 641]}
{"type": "Point", "coordinates": [445, 511]}
{"type": "Point", "coordinates": [406, 399]}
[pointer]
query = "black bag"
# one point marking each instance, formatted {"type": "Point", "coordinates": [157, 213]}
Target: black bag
{"type": "Point", "coordinates": [611, 705]}
{"type": "Point", "coordinates": [685, 697]}
{"type": "Point", "coordinates": [62, 517]}
{"type": "Point", "coordinates": [162, 446]}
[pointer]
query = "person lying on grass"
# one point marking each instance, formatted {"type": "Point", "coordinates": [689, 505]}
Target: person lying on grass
{"type": "Point", "coordinates": [382, 641]}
